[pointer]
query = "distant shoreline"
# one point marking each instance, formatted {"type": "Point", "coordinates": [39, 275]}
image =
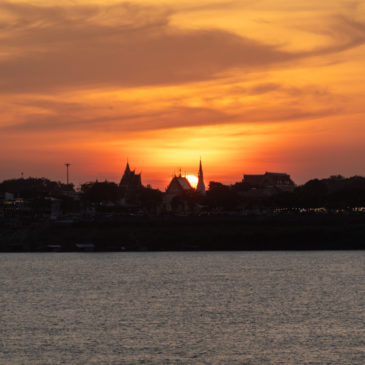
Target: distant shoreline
{"type": "Point", "coordinates": [225, 233]}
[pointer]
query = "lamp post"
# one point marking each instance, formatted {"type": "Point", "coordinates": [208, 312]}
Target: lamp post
{"type": "Point", "coordinates": [67, 166]}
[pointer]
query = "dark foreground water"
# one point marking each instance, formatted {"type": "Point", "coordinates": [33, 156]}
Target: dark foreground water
{"type": "Point", "coordinates": [183, 308]}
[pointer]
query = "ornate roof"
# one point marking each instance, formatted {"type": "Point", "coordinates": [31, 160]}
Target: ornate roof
{"type": "Point", "coordinates": [130, 179]}
{"type": "Point", "coordinates": [178, 185]}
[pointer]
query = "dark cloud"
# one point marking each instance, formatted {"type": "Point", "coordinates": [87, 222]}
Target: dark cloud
{"type": "Point", "coordinates": [165, 58]}
{"type": "Point", "coordinates": [125, 45]}
{"type": "Point", "coordinates": [346, 33]}
{"type": "Point", "coordinates": [120, 45]}
{"type": "Point", "coordinates": [173, 117]}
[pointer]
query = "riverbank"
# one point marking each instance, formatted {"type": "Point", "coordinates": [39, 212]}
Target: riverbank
{"type": "Point", "coordinates": [189, 233]}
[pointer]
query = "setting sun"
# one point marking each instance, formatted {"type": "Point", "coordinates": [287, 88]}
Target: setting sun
{"type": "Point", "coordinates": [193, 180]}
{"type": "Point", "coordinates": [246, 85]}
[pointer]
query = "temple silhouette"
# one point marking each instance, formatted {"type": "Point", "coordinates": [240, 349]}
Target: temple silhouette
{"type": "Point", "coordinates": [130, 180]}
{"type": "Point", "coordinates": [269, 183]}
{"type": "Point", "coordinates": [180, 188]}
{"type": "Point", "coordinates": [179, 185]}
{"type": "Point", "coordinates": [262, 211]}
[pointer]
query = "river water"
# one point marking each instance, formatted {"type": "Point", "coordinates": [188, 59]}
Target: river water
{"type": "Point", "coordinates": [182, 308]}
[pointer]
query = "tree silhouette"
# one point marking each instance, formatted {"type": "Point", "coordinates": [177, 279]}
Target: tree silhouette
{"type": "Point", "coordinates": [98, 192]}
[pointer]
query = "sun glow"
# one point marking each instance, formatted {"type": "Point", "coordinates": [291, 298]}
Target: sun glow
{"type": "Point", "coordinates": [218, 84]}
{"type": "Point", "coordinates": [193, 180]}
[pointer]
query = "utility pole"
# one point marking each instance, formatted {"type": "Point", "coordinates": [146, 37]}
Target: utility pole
{"type": "Point", "coordinates": [67, 166]}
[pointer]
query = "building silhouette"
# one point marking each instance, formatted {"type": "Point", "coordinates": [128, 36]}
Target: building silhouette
{"type": "Point", "coordinates": [176, 193]}
{"type": "Point", "coordinates": [179, 185]}
{"type": "Point", "coordinates": [274, 181]}
{"type": "Point", "coordinates": [130, 179]}
{"type": "Point", "coordinates": [179, 191]}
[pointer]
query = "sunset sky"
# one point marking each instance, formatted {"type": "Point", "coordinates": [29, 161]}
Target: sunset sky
{"type": "Point", "coordinates": [249, 85]}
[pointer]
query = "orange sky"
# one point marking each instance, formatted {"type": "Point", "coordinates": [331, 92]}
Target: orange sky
{"type": "Point", "coordinates": [250, 86]}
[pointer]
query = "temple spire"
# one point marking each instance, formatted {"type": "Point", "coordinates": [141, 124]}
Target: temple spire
{"type": "Point", "coordinates": [201, 186]}
{"type": "Point", "coordinates": [127, 168]}
{"type": "Point", "coordinates": [130, 179]}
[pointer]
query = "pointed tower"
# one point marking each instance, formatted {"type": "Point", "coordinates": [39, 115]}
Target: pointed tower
{"type": "Point", "coordinates": [130, 179]}
{"type": "Point", "coordinates": [127, 169]}
{"type": "Point", "coordinates": [201, 186]}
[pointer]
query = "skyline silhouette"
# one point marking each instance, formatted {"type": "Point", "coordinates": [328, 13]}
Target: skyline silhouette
{"type": "Point", "coordinates": [191, 175]}
{"type": "Point", "coordinates": [138, 135]}
{"type": "Point", "coordinates": [250, 87]}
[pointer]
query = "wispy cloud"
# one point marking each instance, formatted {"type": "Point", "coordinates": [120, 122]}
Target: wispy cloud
{"type": "Point", "coordinates": [291, 105]}
{"type": "Point", "coordinates": [101, 80]}
{"type": "Point", "coordinates": [124, 45]}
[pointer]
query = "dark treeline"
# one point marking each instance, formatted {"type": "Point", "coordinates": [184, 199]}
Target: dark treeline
{"type": "Point", "coordinates": [34, 187]}
{"type": "Point", "coordinates": [335, 192]}
{"type": "Point", "coordinates": [101, 192]}
{"type": "Point", "coordinates": [43, 215]}
{"type": "Point", "coordinates": [40, 194]}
